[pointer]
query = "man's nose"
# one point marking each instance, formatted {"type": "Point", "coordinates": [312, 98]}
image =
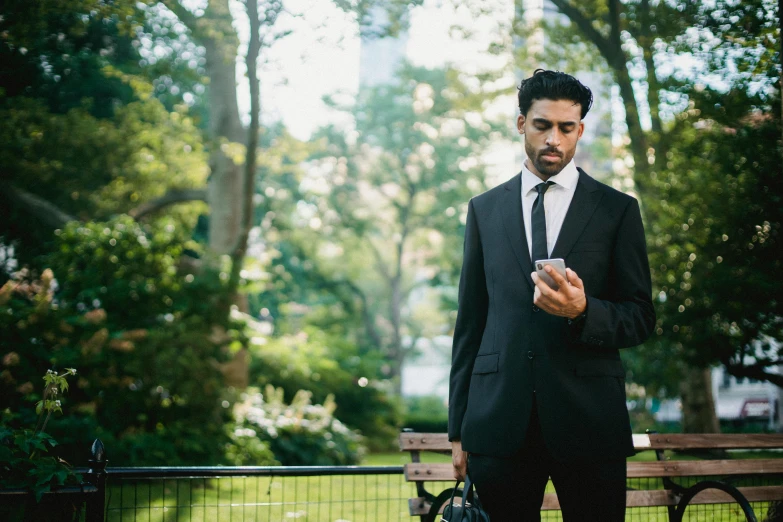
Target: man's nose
{"type": "Point", "coordinates": [553, 139]}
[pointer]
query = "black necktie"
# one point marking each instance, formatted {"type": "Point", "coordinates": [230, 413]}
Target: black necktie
{"type": "Point", "coordinates": [538, 223]}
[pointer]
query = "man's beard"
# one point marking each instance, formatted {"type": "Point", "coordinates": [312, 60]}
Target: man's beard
{"type": "Point", "coordinates": [547, 168]}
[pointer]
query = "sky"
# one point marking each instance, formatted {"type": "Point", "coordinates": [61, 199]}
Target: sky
{"type": "Point", "coordinates": [322, 54]}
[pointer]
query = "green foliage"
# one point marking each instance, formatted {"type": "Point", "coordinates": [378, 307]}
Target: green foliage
{"type": "Point", "coordinates": [374, 223]}
{"type": "Point", "coordinates": [81, 130]}
{"type": "Point", "coordinates": [714, 208]}
{"type": "Point", "coordinates": [300, 433]}
{"type": "Point", "coordinates": [139, 326]}
{"type": "Point", "coordinates": [716, 253]}
{"type": "Point", "coordinates": [24, 454]}
{"type": "Point", "coordinates": [63, 159]}
{"type": "Point", "coordinates": [327, 366]}
{"type": "Point", "coordinates": [27, 464]}
{"type": "Point", "coordinates": [426, 414]}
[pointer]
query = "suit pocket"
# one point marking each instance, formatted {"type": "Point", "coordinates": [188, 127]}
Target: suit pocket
{"type": "Point", "coordinates": [600, 367]}
{"type": "Point", "coordinates": [486, 363]}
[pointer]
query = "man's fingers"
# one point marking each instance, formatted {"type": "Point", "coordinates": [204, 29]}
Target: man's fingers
{"type": "Point", "coordinates": [574, 279]}
{"type": "Point", "coordinates": [543, 288]}
{"type": "Point", "coordinates": [555, 275]}
{"type": "Point", "coordinates": [460, 466]}
{"type": "Point", "coordinates": [459, 460]}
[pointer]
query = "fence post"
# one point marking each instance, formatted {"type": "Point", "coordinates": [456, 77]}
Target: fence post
{"type": "Point", "coordinates": [97, 476]}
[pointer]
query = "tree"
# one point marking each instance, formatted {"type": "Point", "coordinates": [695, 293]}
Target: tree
{"type": "Point", "coordinates": [400, 183]}
{"type": "Point", "coordinates": [82, 139]}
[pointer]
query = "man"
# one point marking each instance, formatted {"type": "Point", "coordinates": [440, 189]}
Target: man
{"type": "Point", "coordinates": [537, 386]}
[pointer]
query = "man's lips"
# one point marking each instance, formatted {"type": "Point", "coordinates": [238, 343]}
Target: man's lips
{"type": "Point", "coordinates": [550, 156]}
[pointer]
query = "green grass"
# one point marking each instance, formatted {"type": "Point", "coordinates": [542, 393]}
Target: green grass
{"type": "Point", "coordinates": [399, 458]}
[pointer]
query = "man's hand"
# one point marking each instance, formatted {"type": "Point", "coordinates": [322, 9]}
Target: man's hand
{"type": "Point", "coordinates": [568, 300]}
{"type": "Point", "coordinates": [459, 459]}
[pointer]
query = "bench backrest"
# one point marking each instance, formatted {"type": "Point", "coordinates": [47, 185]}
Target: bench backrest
{"type": "Point", "coordinates": [418, 472]}
{"type": "Point", "coordinates": [439, 442]}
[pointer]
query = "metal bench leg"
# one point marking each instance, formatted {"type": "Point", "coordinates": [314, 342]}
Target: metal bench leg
{"type": "Point", "coordinates": [692, 491]}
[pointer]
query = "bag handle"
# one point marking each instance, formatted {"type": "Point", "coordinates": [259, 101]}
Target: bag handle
{"type": "Point", "coordinates": [467, 494]}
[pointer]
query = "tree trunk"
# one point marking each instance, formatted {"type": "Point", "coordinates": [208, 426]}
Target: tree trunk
{"type": "Point", "coordinates": [396, 357]}
{"type": "Point", "coordinates": [225, 186]}
{"type": "Point", "coordinates": [698, 404]}
{"type": "Point", "coordinates": [239, 249]}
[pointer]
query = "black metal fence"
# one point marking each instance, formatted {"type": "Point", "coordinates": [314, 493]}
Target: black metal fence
{"type": "Point", "coordinates": [328, 494]}
{"type": "Point", "coordinates": [320, 494]}
{"type": "Point", "coordinates": [339, 493]}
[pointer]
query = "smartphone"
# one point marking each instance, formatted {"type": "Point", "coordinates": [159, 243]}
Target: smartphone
{"type": "Point", "coordinates": [558, 264]}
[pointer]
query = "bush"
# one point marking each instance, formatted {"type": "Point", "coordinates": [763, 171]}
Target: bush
{"type": "Point", "coordinates": [325, 365]}
{"type": "Point", "coordinates": [427, 414]}
{"type": "Point", "coordinates": [141, 333]}
{"type": "Point", "coordinates": [298, 434]}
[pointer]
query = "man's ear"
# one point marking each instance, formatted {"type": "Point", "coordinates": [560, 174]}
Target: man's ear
{"type": "Point", "coordinates": [521, 124]}
{"type": "Point", "coordinates": [581, 129]}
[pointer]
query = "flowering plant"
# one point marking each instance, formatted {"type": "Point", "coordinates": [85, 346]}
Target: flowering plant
{"type": "Point", "coordinates": [300, 433]}
{"type": "Point", "coordinates": [25, 461]}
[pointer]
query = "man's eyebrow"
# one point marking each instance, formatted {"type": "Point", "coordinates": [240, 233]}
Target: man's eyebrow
{"type": "Point", "coordinates": [548, 122]}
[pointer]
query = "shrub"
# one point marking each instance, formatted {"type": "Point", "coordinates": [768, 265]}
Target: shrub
{"type": "Point", "coordinates": [141, 333]}
{"type": "Point", "coordinates": [325, 365]}
{"type": "Point", "coordinates": [426, 414]}
{"type": "Point", "coordinates": [298, 434]}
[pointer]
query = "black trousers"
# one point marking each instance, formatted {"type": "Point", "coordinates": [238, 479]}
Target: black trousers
{"type": "Point", "coordinates": [512, 489]}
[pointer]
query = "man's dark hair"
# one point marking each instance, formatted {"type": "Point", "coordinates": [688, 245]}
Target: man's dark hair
{"type": "Point", "coordinates": [553, 85]}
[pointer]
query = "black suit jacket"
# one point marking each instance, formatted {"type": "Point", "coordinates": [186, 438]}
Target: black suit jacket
{"type": "Point", "coordinates": [505, 348]}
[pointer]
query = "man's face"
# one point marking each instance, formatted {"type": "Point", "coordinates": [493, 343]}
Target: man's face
{"type": "Point", "coordinates": [551, 128]}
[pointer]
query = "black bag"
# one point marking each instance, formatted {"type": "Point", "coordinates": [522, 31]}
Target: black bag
{"type": "Point", "coordinates": [470, 510]}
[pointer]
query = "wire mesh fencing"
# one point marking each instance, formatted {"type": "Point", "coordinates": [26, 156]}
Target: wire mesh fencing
{"type": "Point", "coordinates": [345, 494]}
{"type": "Point", "coordinates": [336, 494]}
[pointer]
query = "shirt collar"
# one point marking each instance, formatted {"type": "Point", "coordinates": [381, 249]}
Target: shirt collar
{"type": "Point", "coordinates": [566, 178]}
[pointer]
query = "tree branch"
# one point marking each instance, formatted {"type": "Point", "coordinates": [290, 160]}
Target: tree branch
{"type": "Point", "coordinates": [585, 25]}
{"type": "Point", "coordinates": [48, 213]}
{"type": "Point", "coordinates": [369, 323]}
{"type": "Point", "coordinates": [172, 197]}
{"type": "Point", "coordinates": [191, 21]}
{"type": "Point", "coordinates": [251, 61]}
{"type": "Point", "coordinates": [612, 51]}
{"type": "Point", "coordinates": [755, 371]}
{"type": "Point", "coordinates": [381, 264]}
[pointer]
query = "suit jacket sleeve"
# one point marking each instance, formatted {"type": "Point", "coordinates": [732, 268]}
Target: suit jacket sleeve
{"type": "Point", "coordinates": [471, 320]}
{"type": "Point", "coordinates": [627, 317]}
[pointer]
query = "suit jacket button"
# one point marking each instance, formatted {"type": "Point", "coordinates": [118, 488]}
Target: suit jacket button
{"type": "Point", "coordinates": [535, 308]}
{"type": "Point", "coordinates": [530, 355]}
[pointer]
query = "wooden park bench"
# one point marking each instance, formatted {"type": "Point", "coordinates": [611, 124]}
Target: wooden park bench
{"type": "Point", "coordinates": [673, 484]}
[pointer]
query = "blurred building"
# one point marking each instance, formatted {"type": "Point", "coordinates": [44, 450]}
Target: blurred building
{"type": "Point", "coordinates": [739, 402]}
{"type": "Point", "coordinates": [428, 373]}
{"type": "Point", "coordinates": [379, 58]}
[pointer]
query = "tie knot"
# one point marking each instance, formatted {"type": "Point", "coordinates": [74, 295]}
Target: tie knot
{"type": "Point", "coordinates": [542, 187]}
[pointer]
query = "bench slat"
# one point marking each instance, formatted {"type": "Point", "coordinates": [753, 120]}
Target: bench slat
{"type": "Point", "coordinates": [691, 468]}
{"type": "Point", "coordinates": [439, 442]}
{"type": "Point", "coordinates": [425, 442]}
{"type": "Point", "coordinates": [419, 506]}
{"type": "Point", "coordinates": [684, 441]}
{"type": "Point", "coordinates": [423, 472]}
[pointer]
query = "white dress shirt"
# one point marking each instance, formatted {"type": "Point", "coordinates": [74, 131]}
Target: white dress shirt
{"type": "Point", "coordinates": [557, 199]}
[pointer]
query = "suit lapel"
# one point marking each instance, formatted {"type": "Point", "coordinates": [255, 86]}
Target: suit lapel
{"type": "Point", "coordinates": [515, 226]}
{"type": "Point", "coordinates": [585, 201]}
